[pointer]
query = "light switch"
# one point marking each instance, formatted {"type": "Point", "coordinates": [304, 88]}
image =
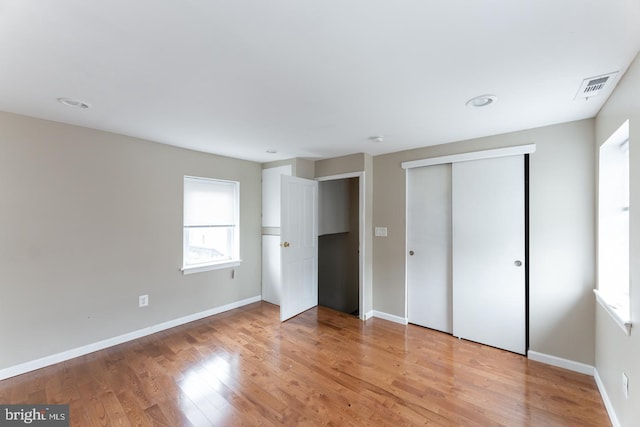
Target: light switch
{"type": "Point", "coordinates": [381, 231]}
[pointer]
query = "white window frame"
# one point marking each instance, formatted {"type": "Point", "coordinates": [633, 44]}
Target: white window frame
{"type": "Point", "coordinates": [234, 259]}
{"type": "Point", "coordinates": [613, 214]}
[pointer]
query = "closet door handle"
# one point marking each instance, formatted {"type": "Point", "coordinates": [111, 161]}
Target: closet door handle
{"type": "Point", "coordinates": [517, 263]}
{"type": "Point", "coordinates": [411, 253]}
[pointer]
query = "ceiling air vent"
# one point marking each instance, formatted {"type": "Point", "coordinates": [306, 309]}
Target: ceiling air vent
{"type": "Point", "coordinates": [594, 85]}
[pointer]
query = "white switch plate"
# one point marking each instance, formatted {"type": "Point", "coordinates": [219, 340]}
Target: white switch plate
{"type": "Point", "coordinates": [143, 300]}
{"type": "Point", "coordinates": [381, 231]}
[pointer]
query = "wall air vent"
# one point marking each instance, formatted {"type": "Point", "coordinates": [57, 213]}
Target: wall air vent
{"type": "Point", "coordinates": [594, 85]}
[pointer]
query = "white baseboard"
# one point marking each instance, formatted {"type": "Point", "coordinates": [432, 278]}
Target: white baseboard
{"type": "Point", "coordinates": [605, 398]}
{"type": "Point", "coordinates": [390, 317]}
{"type": "Point", "coordinates": [368, 315]}
{"type": "Point", "coordinates": [561, 363]}
{"type": "Point", "coordinates": [32, 365]}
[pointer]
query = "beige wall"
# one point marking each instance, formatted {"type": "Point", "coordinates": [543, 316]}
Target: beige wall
{"type": "Point", "coordinates": [340, 165]}
{"type": "Point", "coordinates": [302, 168]}
{"type": "Point", "coordinates": [615, 352]}
{"type": "Point", "coordinates": [89, 221]}
{"type": "Point", "coordinates": [561, 233]}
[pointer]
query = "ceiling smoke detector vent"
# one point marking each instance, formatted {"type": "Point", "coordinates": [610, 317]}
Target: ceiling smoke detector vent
{"type": "Point", "coordinates": [594, 85]}
{"type": "Point", "coordinates": [481, 101]}
{"type": "Point", "coordinates": [74, 103]}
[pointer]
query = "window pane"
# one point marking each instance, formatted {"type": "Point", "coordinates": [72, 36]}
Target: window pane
{"type": "Point", "coordinates": [613, 218]}
{"type": "Point", "coordinates": [208, 244]}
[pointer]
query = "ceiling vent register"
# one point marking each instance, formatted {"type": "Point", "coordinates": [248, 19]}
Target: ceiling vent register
{"type": "Point", "coordinates": [594, 85]}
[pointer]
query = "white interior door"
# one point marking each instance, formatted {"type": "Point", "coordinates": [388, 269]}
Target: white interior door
{"type": "Point", "coordinates": [488, 252]}
{"type": "Point", "coordinates": [299, 246]}
{"type": "Point", "coordinates": [429, 246]}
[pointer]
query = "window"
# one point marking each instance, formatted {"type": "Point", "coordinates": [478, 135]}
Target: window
{"type": "Point", "coordinates": [613, 227]}
{"type": "Point", "coordinates": [211, 227]}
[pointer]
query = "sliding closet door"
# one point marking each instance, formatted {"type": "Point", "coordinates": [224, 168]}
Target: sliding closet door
{"type": "Point", "coordinates": [488, 252]}
{"type": "Point", "coordinates": [429, 247]}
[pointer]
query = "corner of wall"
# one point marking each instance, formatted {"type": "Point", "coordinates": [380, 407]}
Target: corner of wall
{"type": "Point", "coordinates": [304, 168]}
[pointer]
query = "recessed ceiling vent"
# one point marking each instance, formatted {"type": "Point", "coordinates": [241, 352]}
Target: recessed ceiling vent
{"type": "Point", "coordinates": [594, 85]}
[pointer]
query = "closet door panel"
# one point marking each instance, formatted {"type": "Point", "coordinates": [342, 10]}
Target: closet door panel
{"type": "Point", "coordinates": [429, 247]}
{"type": "Point", "coordinates": [488, 252]}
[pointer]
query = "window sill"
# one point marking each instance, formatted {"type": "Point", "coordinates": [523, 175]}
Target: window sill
{"type": "Point", "coordinates": [209, 267]}
{"type": "Point", "coordinates": [620, 318]}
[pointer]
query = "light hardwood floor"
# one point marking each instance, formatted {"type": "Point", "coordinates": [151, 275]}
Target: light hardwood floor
{"type": "Point", "coordinates": [244, 367]}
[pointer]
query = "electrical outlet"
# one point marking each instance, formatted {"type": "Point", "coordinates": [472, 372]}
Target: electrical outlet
{"type": "Point", "coordinates": [143, 300]}
{"type": "Point", "coordinates": [625, 385]}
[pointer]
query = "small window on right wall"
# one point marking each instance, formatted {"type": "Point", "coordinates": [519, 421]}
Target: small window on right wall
{"type": "Point", "coordinates": [613, 227]}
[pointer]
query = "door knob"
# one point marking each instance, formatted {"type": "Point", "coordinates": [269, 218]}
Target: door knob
{"type": "Point", "coordinates": [517, 263]}
{"type": "Point", "coordinates": [285, 244]}
{"type": "Point", "coordinates": [411, 253]}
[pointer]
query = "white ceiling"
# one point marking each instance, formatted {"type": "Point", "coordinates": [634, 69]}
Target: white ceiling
{"type": "Point", "coordinates": [307, 78]}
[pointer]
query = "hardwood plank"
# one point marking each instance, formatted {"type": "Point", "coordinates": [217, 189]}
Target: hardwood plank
{"type": "Point", "coordinates": [91, 407]}
{"type": "Point", "coordinates": [115, 411]}
{"type": "Point", "coordinates": [244, 367]}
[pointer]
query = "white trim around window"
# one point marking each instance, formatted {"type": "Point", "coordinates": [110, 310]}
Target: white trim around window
{"type": "Point", "coordinates": [209, 267]}
{"type": "Point", "coordinates": [620, 315]}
